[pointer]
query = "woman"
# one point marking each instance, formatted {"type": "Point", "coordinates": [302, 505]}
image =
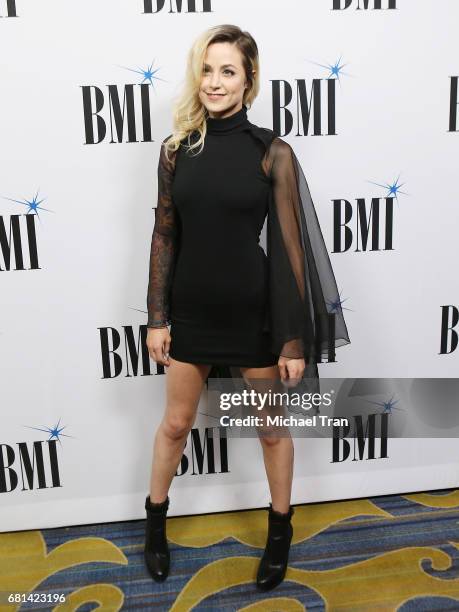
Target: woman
{"type": "Point", "coordinates": [229, 304]}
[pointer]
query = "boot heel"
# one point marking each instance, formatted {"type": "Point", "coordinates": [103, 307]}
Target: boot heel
{"type": "Point", "coordinates": [273, 564]}
{"type": "Point", "coordinates": [156, 552]}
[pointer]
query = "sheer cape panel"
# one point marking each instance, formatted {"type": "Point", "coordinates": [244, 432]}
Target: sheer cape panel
{"type": "Point", "coordinates": [305, 315]}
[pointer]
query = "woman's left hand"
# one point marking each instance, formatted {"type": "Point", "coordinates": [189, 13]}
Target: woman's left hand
{"type": "Point", "coordinates": [291, 370]}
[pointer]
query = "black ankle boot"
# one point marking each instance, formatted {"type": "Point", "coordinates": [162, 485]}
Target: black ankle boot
{"type": "Point", "coordinates": [156, 553]}
{"type": "Point", "coordinates": [273, 564]}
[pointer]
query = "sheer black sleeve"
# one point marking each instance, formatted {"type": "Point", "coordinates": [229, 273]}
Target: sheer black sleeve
{"type": "Point", "coordinates": [306, 319]}
{"type": "Point", "coordinates": [164, 244]}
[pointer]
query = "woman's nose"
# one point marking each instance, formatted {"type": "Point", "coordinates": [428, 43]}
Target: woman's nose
{"type": "Point", "coordinates": [215, 80]}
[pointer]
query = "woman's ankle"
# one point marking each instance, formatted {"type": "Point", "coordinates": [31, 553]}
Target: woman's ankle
{"type": "Point", "coordinates": [281, 508]}
{"type": "Point", "coordinates": [157, 500]}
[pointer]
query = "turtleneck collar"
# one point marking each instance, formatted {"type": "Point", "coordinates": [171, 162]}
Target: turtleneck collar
{"type": "Point", "coordinates": [233, 123]}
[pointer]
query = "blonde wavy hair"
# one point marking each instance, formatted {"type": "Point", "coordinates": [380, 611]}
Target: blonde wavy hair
{"type": "Point", "coordinates": [189, 114]}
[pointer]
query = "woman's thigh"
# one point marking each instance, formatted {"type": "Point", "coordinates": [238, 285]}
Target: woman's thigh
{"type": "Point", "coordinates": [184, 384]}
{"type": "Point", "coordinates": [271, 372]}
{"type": "Point", "coordinates": [262, 379]}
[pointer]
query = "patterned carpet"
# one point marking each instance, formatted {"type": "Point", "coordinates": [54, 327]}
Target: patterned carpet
{"type": "Point", "coordinates": [386, 553]}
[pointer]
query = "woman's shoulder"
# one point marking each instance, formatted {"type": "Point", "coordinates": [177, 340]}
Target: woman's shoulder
{"type": "Point", "coordinates": [264, 134]}
{"type": "Point", "coordinates": [275, 144]}
{"type": "Point", "coordinates": [281, 149]}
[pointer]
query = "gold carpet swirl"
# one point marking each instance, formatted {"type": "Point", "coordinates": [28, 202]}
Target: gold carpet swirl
{"type": "Point", "coordinates": [448, 500]}
{"type": "Point", "coordinates": [25, 564]}
{"type": "Point", "coordinates": [250, 527]}
{"type": "Point", "coordinates": [383, 583]}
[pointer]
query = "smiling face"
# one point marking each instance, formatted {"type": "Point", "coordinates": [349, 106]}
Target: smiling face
{"type": "Point", "coordinates": [223, 80]}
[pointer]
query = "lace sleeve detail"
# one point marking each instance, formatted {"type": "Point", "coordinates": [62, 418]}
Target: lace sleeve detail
{"type": "Point", "coordinates": [164, 243]}
{"type": "Point", "coordinates": [305, 315]}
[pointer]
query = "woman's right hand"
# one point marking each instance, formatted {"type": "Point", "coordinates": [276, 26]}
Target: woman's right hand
{"type": "Point", "coordinates": [158, 343]}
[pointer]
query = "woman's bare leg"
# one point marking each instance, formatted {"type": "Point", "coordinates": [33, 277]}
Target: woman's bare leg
{"type": "Point", "coordinates": [184, 383]}
{"type": "Point", "coordinates": [278, 451]}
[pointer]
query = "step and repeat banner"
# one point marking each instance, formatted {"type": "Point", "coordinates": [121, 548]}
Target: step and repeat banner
{"type": "Point", "coordinates": [366, 93]}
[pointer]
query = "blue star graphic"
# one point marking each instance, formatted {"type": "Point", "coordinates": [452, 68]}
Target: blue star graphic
{"type": "Point", "coordinates": [386, 406]}
{"type": "Point", "coordinates": [337, 305]}
{"type": "Point", "coordinates": [55, 432]}
{"type": "Point", "coordinates": [335, 69]}
{"type": "Point", "coordinates": [392, 190]}
{"type": "Point", "coordinates": [34, 204]}
{"type": "Point", "coordinates": [148, 75]}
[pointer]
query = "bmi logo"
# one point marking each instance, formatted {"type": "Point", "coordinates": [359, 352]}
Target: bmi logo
{"type": "Point", "coordinates": [362, 441]}
{"type": "Point", "coordinates": [18, 236]}
{"type": "Point", "coordinates": [180, 6]}
{"type": "Point", "coordinates": [369, 225]}
{"type": "Point", "coordinates": [31, 466]}
{"type": "Point", "coordinates": [125, 353]}
{"type": "Point", "coordinates": [312, 104]}
{"type": "Point", "coordinates": [122, 111]}
{"type": "Point", "coordinates": [205, 455]}
{"type": "Point", "coordinates": [340, 5]}
{"type": "Point", "coordinates": [311, 109]}
{"type": "Point", "coordinates": [18, 243]}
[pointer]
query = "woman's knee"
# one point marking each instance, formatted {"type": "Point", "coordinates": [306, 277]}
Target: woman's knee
{"type": "Point", "coordinates": [176, 426]}
{"type": "Point", "coordinates": [269, 438]}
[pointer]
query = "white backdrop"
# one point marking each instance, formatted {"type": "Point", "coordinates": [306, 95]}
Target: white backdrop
{"type": "Point", "coordinates": [87, 430]}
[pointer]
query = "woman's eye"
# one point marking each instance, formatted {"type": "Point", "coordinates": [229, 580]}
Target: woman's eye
{"type": "Point", "coordinates": [226, 71]}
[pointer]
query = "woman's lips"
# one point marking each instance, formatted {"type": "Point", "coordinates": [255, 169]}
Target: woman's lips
{"type": "Point", "coordinates": [215, 96]}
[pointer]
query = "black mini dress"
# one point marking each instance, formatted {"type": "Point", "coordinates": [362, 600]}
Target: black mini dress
{"type": "Point", "coordinates": [228, 302]}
